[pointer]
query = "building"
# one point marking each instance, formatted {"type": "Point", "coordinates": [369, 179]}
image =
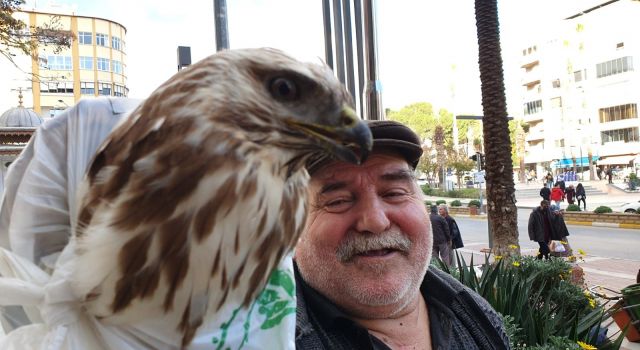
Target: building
{"type": "Point", "coordinates": [94, 65]}
{"type": "Point", "coordinates": [581, 92]}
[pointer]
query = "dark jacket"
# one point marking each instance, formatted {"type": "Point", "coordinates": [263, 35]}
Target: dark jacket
{"type": "Point", "coordinates": [580, 192]}
{"type": "Point", "coordinates": [560, 230]}
{"type": "Point", "coordinates": [536, 225]}
{"type": "Point", "coordinates": [571, 194]}
{"type": "Point", "coordinates": [440, 229]}
{"type": "Point", "coordinates": [456, 238]}
{"type": "Point", "coordinates": [458, 319]}
{"type": "Point", "coordinates": [545, 193]}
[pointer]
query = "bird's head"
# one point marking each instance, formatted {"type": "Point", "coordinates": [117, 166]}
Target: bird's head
{"type": "Point", "coordinates": [280, 101]}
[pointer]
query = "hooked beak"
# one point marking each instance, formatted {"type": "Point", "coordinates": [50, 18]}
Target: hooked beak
{"type": "Point", "coordinates": [350, 140]}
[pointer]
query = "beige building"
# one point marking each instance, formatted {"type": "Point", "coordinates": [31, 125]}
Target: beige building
{"type": "Point", "coordinates": [95, 65]}
{"type": "Point", "coordinates": [581, 91]}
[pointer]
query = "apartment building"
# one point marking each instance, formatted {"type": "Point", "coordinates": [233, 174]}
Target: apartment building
{"type": "Point", "coordinates": [94, 65]}
{"type": "Point", "coordinates": [581, 92]}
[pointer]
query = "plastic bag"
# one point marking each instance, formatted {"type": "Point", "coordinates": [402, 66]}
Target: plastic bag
{"type": "Point", "coordinates": [557, 247]}
{"type": "Point", "coordinates": [37, 217]}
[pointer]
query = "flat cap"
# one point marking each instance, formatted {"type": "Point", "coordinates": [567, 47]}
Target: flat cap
{"type": "Point", "coordinates": [387, 135]}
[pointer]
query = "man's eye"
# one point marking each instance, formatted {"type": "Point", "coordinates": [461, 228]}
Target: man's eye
{"type": "Point", "coordinates": [338, 205]}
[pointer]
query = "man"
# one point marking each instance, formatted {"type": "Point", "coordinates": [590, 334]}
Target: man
{"type": "Point", "coordinates": [441, 236]}
{"type": "Point", "coordinates": [456, 238]}
{"type": "Point", "coordinates": [545, 193]}
{"type": "Point", "coordinates": [362, 261]}
{"type": "Point", "coordinates": [541, 228]}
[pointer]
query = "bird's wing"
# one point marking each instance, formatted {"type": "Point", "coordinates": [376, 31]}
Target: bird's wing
{"type": "Point", "coordinates": [179, 216]}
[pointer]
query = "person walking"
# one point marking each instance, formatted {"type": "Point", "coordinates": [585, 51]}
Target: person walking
{"type": "Point", "coordinates": [559, 234]}
{"type": "Point", "coordinates": [441, 236]}
{"type": "Point", "coordinates": [581, 195]}
{"type": "Point", "coordinates": [609, 175]}
{"type": "Point", "coordinates": [556, 194]}
{"type": "Point", "coordinates": [545, 193]}
{"type": "Point", "coordinates": [541, 229]}
{"type": "Point", "coordinates": [549, 179]}
{"type": "Point", "coordinates": [570, 193]}
{"type": "Point", "coordinates": [456, 238]}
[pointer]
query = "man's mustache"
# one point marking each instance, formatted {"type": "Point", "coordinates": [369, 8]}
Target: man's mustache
{"type": "Point", "coordinates": [358, 243]}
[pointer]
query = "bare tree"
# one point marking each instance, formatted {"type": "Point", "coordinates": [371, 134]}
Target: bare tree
{"type": "Point", "coordinates": [16, 37]}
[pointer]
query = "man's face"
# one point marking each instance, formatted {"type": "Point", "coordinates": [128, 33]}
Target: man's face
{"type": "Point", "coordinates": [367, 244]}
{"type": "Point", "coordinates": [544, 206]}
{"type": "Point", "coordinates": [442, 212]}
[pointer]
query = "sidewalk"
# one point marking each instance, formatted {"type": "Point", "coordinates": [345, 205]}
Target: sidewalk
{"type": "Point", "coordinates": [613, 197]}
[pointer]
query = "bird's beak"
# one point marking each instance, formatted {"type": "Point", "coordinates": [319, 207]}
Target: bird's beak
{"type": "Point", "coordinates": [350, 140]}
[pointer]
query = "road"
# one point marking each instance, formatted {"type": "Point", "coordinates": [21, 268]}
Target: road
{"type": "Point", "coordinates": [612, 254]}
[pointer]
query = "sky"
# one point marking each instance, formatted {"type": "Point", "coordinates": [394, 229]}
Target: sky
{"type": "Point", "coordinates": [427, 50]}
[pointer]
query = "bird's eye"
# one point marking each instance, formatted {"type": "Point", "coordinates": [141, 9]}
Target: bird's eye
{"type": "Point", "coordinates": [283, 89]}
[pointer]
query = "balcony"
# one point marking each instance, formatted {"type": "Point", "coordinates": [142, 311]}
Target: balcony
{"type": "Point", "coordinates": [528, 118]}
{"type": "Point", "coordinates": [534, 135]}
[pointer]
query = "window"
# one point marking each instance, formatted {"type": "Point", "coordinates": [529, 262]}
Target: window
{"type": "Point", "coordinates": [57, 87]}
{"type": "Point", "coordinates": [59, 62]}
{"type": "Point", "coordinates": [115, 43]}
{"type": "Point", "coordinates": [611, 114]}
{"type": "Point", "coordinates": [556, 102]}
{"type": "Point", "coordinates": [104, 89]}
{"type": "Point", "coordinates": [577, 76]}
{"type": "Point", "coordinates": [559, 143]}
{"type": "Point", "coordinates": [532, 107]}
{"type": "Point", "coordinates": [103, 64]}
{"type": "Point", "coordinates": [87, 88]}
{"type": "Point", "coordinates": [619, 45]}
{"type": "Point", "coordinates": [617, 66]}
{"type": "Point", "coordinates": [86, 62]}
{"type": "Point", "coordinates": [102, 39]}
{"type": "Point", "coordinates": [84, 38]}
{"type": "Point", "coordinates": [119, 90]}
{"type": "Point", "coordinates": [555, 84]}
{"type": "Point", "coordinates": [624, 135]}
{"type": "Point", "coordinates": [117, 66]}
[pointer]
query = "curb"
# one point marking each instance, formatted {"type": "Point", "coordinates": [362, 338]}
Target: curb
{"type": "Point", "coordinates": [603, 224]}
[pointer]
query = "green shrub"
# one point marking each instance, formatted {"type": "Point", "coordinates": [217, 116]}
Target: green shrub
{"type": "Point", "coordinates": [428, 203]}
{"type": "Point", "coordinates": [573, 207]}
{"type": "Point", "coordinates": [474, 203]}
{"type": "Point", "coordinates": [456, 203]}
{"type": "Point", "coordinates": [603, 209]}
{"type": "Point", "coordinates": [441, 201]}
{"type": "Point", "coordinates": [540, 307]}
{"type": "Point", "coordinates": [461, 193]}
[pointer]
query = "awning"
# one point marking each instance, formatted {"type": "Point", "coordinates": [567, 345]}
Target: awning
{"type": "Point", "coordinates": [616, 160]}
{"type": "Point", "coordinates": [568, 162]}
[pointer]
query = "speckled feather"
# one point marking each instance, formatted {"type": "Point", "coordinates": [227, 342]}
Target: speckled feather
{"type": "Point", "coordinates": [193, 200]}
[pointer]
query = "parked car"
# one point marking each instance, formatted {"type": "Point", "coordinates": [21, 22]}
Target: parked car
{"type": "Point", "coordinates": [632, 207]}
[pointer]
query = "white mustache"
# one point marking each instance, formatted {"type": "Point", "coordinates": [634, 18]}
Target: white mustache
{"type": "Point", "coordinates": [358, 243]}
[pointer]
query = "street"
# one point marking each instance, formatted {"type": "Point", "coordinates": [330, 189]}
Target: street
{"type": "Point", "coordinates": [612, 256]}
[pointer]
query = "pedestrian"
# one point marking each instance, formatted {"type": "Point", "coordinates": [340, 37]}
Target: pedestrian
{"type": "Point", "coordinates": [559, 234]}
{"type": "Point", "coordinates": [456, 237]}
{"type": "Point", "coordinates": [541, 229]}
{"type": "Point", "coordinates": [599, 173]}
{"type": "Point", "coordinates": [556, 194]}
{"type": "Point", "coordinates": [549, 179]}
{"type": "Point", "coordinates": [562, 186]}
{"type": "Point", "coordinates": [545, 193]}
{"type": "Point", "coordinates": [581, 195]}
{"type": "Point", "coordinates": [363, 279]}
{"type": "Point", "coordinates": [441, 236]}
{"type": "Point", "coordinates": [570, 193]}
{"type": "Point", "coordinates": [609, 175]}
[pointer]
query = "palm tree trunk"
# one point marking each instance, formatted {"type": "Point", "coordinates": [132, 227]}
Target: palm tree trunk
{"type": "Point", "coordinates": [501, 207]}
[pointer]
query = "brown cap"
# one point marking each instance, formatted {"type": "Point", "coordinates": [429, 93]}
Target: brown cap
{"type": "Point", "coordinates": [387, 135]}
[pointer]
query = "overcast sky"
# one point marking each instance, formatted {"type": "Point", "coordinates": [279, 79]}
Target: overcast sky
{"type": "Point", "coordinates": [419, 41]}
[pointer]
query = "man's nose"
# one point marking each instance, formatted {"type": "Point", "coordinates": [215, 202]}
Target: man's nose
{"type": "Point", "coordinates": [372, 216]}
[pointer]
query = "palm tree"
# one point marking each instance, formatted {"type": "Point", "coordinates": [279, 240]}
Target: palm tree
{"type": "Point", "coordinates": [501, 206]}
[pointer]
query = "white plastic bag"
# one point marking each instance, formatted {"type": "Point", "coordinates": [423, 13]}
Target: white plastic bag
{"type": "Point", "coordinates": [37, 217]}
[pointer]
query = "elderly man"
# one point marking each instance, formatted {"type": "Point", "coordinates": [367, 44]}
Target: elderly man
{"type": "Point", "coordinates": [362, 261]}
{"type": "Point", "coordinates": [541, 228]}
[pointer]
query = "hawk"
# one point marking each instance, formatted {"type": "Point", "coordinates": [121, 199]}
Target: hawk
{"type": "Point", "coordinates": [192, 201]}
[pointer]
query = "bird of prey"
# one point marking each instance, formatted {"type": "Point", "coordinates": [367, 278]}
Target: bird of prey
{"type": "Point", "coordinates": [192, 201]}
